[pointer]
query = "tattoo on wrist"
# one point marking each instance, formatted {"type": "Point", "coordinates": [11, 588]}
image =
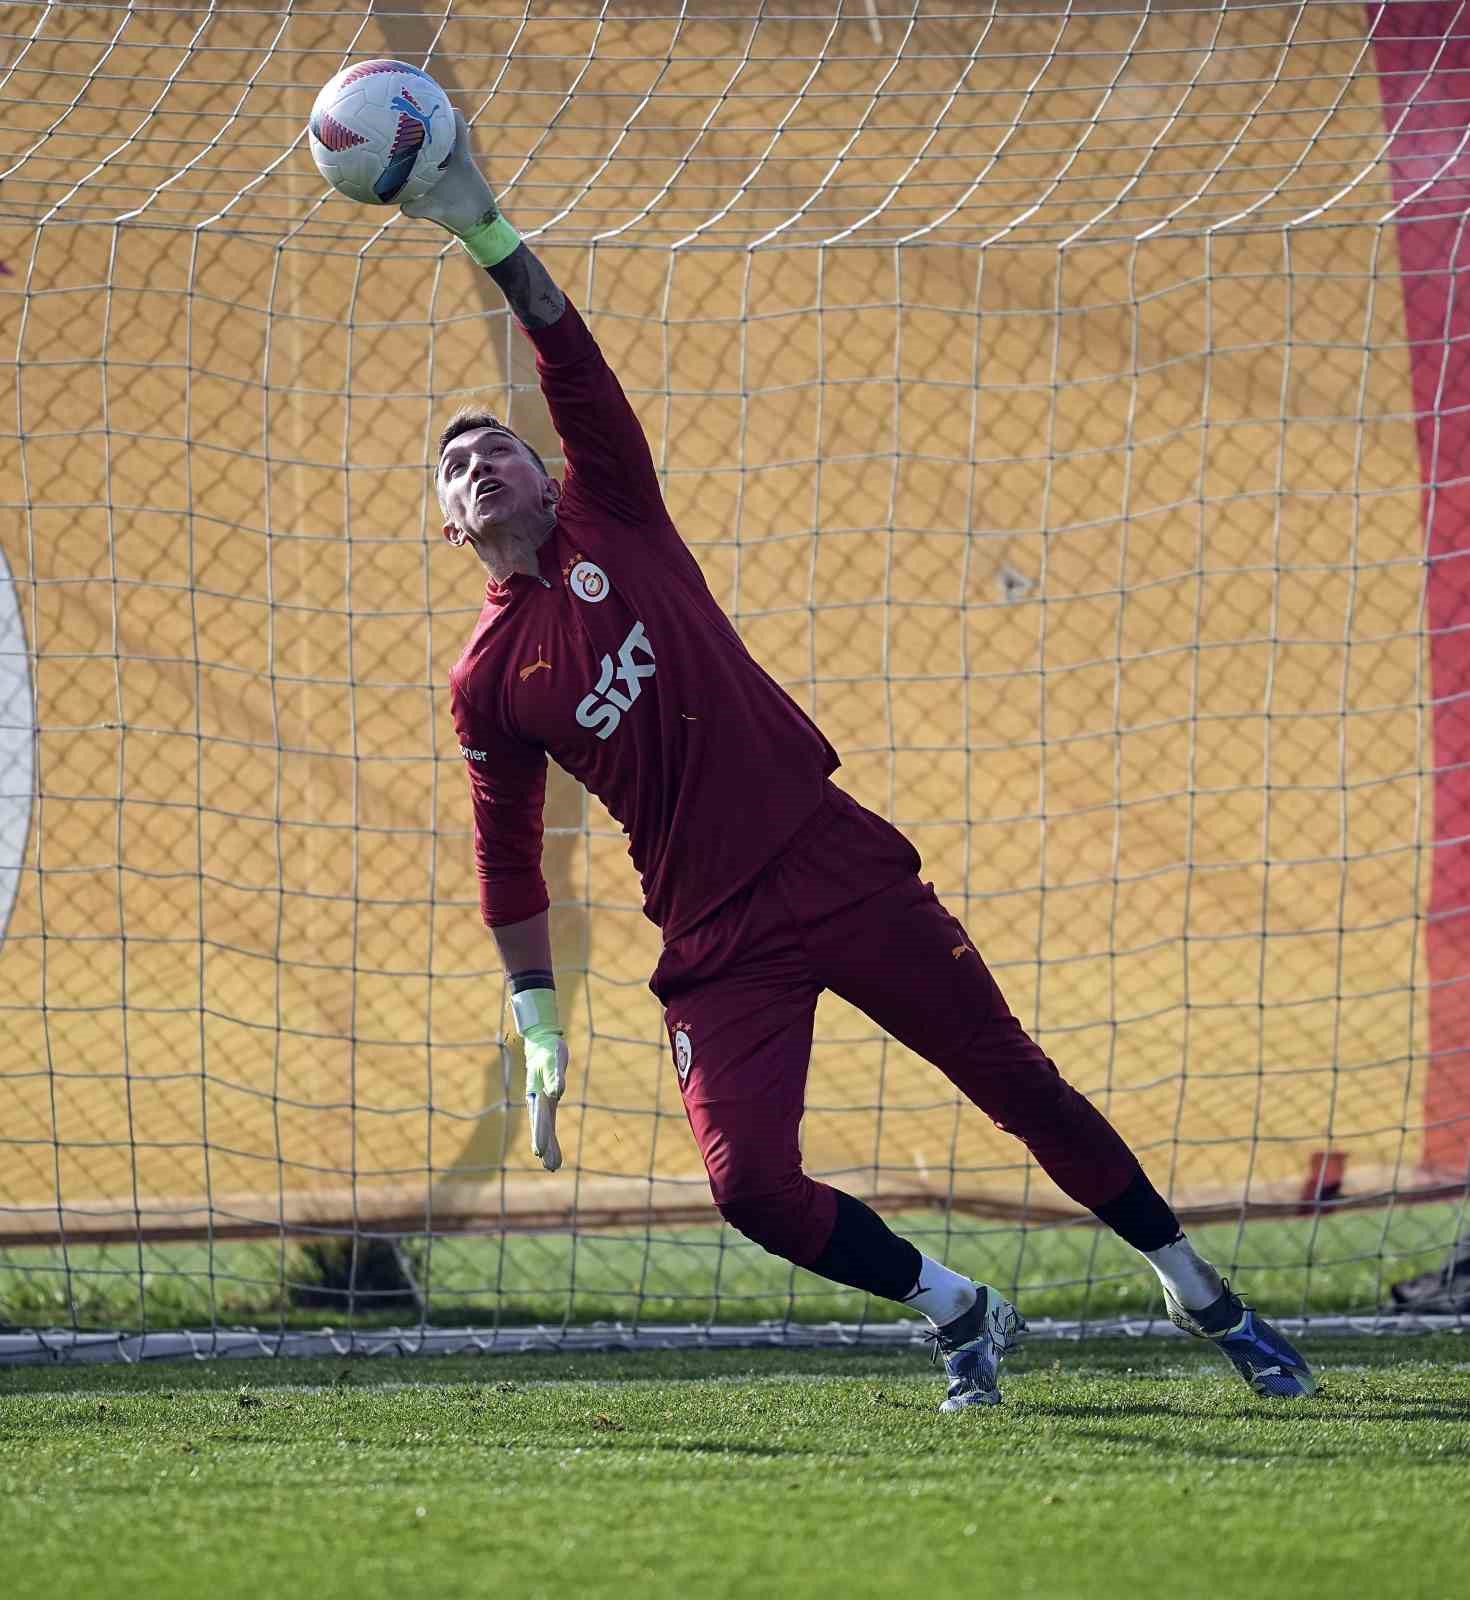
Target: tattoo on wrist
{"type": "Point", "coordinates": [529, 288]}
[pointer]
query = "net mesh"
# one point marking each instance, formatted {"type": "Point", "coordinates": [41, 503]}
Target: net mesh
{"type": "Point", "coordinates": [1035, 388]}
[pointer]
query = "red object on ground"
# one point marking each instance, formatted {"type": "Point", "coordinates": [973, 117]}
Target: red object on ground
{"type": "Point", "coordinates": [1324, 1180]}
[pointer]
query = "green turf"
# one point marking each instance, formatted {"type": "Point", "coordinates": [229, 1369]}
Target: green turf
{"type": "Point", "coordinates": [1339, 1262]}
{"type": "Point", "coordinates": [1127, 1470]}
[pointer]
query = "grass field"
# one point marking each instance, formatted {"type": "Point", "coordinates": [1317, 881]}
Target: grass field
{"type": "Point", "coordinates": [1132, 1470]}
{"type": "Point", "coordinates": [1340, 1262]}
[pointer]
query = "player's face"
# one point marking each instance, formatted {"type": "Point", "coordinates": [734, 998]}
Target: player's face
{"type": "Point", "coordinates": [490, 485]}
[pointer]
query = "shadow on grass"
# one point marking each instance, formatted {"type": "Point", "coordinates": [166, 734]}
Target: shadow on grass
{"type": "Point", "coordinates": [1306, 1448]}
{"type": "Point", "coordinates": [726, 1447]}
{"type": "Point", "coordinates": [1395, 1409]}
{"type": "Point", "coordinates": [1100, 1412]}
{"type": "Point", "coordinates": [548, 1443]}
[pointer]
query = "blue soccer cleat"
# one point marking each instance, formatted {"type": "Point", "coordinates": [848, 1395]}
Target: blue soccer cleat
{"type": "Point", "coordinates": [1264, 1357]}
{"type": "Point", "coordinates": [973, 1347]}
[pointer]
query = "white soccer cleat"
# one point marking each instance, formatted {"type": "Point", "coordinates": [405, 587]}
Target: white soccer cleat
{"type": "Point", "coordinates": [973, 1347]}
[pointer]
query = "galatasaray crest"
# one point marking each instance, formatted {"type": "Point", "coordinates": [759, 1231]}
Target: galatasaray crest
{"type": "Point", "coordinates": [589, 582]}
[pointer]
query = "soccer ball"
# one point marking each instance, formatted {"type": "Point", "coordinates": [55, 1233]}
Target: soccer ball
{"type": "Point", "coordinates": [382, 132]}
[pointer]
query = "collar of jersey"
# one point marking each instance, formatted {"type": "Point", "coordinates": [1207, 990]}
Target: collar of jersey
{"type": "Point", "coordinates": [502, 591]}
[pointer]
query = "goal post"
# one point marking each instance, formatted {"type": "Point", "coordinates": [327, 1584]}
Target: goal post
{"type": "Point", "coordinates": [1068, 405]}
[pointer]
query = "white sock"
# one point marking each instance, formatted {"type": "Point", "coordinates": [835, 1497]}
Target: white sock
{"type": "Point", "coordinates": [940, 1295]}
{"type": "Point", "coordinates": [1186, 1274]}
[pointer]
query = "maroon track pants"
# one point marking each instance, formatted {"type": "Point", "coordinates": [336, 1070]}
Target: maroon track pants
{"type": "Point", "coordinates": [842, 908]}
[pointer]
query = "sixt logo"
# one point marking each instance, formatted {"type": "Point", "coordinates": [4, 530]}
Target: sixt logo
{"type": "Point", "coordinates": [603, 709]}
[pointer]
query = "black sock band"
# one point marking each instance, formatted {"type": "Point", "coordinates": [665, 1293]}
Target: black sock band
{"type": "Point", "coordinates": [865, 1253]}
{"type": "Point", "coordinates": [532, 978]}
{"type": "Point", "coordinates": [1141, 1216]}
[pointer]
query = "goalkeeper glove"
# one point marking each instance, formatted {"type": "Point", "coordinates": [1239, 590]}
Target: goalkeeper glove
{"type": "Point", "coordinates": [464, 203]}
{"type": "Point", "coordinates": [546, 1068]}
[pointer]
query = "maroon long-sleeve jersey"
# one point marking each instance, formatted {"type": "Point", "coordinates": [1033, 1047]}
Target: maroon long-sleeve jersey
{"type": "Point", "coordinates": [618, 664]}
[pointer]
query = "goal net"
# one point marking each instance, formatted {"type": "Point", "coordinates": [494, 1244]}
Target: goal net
{"type": "Point", "coordinates": [1070, 404]}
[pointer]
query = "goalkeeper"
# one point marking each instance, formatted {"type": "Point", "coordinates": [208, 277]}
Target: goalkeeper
{"type": "Point", "coordinates": [601, 646]}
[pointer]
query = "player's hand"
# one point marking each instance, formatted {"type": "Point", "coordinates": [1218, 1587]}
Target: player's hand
{"type": "Point", "coordinates": [546, 1082]}
{"type": "Point", "coordinates": [461, 200]}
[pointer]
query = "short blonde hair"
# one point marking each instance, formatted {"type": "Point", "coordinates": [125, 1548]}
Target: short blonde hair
{"type": "Point", "coordinates": [470, 419]}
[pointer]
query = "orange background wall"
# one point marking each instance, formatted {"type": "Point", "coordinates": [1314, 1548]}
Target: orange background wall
{"type": "Point", "coordinates": [1035, 394]}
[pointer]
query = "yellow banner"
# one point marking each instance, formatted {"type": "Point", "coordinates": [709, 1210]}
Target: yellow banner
{"type": "Point", "coordinates": [1036, 401]}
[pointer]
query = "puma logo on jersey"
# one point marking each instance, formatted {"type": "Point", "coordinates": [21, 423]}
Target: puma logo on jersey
{"type": "Point", "coordinates": [959, 950]}
{"type": "Point", "coordinates": [603, 709]}
{"type": "Point", "coordinates": [538, 665]}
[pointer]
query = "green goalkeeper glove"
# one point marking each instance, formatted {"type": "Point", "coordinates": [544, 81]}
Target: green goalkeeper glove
{"type": "Point", "coordinates": [464, 203]}
{"type": "Point", "coordinates": [546, 1068]}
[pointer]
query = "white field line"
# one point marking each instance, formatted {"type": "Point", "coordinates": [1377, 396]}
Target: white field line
{"type": "Point", "coordinates": [67, 1347]}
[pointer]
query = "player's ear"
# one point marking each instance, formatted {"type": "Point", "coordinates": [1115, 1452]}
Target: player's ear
{"type": "Point", "coordinates": [453, 534]}
{"type": "Point", "coordinates": [551, 492]}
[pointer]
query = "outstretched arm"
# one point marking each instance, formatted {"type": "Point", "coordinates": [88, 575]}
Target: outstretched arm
{"type": "Point", "coordinates": [507, 790]}
{"type": "Point", "coordinates": [464, 203]}
{"type": "Point", "coordinates": [606, 453]}
{"type": "Point", "coordinates": [529, 288]}
{"type": "Point", "coordinates": [525, 949]}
